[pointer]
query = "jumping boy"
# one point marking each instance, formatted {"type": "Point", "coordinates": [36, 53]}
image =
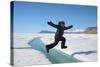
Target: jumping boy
{"type": "Point", "coordinates": [58, 35]}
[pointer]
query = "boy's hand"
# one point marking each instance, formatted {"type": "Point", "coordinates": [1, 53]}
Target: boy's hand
{"type": "Point", "coordinates": [49, 23]}
{"type": "Point", "coordinates": [71, 26]}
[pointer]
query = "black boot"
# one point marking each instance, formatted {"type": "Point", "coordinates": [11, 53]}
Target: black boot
{"type": "Point", "coordinates": [47, 48]}
{"type": "Point", "coordinates": [63, 47]}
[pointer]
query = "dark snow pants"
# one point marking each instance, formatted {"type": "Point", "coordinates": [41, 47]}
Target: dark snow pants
{"type": "Point", "coordinates": [62, 39]}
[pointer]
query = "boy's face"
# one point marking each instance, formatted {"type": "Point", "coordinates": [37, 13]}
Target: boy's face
{"type": "Point", "coordinates": [62, 25]}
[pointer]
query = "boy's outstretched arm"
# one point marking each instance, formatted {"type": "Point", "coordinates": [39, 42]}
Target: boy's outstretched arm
{"type": "Point", "coordinates": [65, 28]}
{"type": "Point", "coordinates": [52, 24]}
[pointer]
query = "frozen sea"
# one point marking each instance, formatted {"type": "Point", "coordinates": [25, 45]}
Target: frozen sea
{"type": "Point", "coordinates": [80, 46]}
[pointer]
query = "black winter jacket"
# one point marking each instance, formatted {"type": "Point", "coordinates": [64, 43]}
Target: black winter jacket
{"type": "Point", "coordinates": [60, 30]}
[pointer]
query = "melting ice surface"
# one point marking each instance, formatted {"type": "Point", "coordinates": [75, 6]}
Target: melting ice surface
{"type": "Point", "coordinates": [55, 56]}
{"type": "Point", "coordinates": [77, 44]}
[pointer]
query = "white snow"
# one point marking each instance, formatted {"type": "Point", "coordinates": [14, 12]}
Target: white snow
{"type": "Point", "coordinates": [27, 56]}
{"type": "Point", "coordinates": [75, 43]}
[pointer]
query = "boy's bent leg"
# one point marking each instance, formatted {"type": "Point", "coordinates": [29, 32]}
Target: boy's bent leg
{"type": "Point", "coordinates": [63, 42]}
{"type": "Point", "coordinates": [51, 45]}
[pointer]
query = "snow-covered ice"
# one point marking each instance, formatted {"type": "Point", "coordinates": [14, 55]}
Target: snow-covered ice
{"type": "Point", "coordinates": [27, 55]}
{"type": "Point", "coordinates": [81, 43]}
{"type": "Point", "coordinates": [77, 43]}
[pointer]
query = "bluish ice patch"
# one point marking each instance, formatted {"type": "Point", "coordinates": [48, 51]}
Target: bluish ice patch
{"type": "Point", "coordinates": [38, 45]}
{"type": "Point", "coordinates": [55, 56]}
